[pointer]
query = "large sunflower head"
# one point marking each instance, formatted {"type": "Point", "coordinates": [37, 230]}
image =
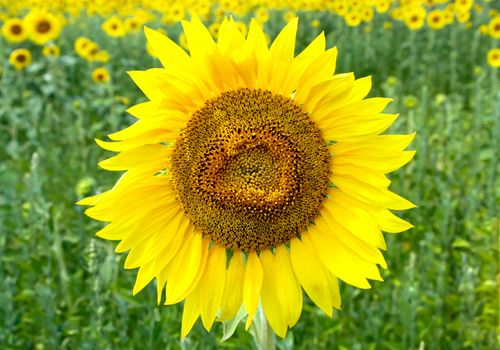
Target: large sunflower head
{"type": "Point", "coordinates": [14, 30]}
{"type": "Point", "coordinates": [251, 174]}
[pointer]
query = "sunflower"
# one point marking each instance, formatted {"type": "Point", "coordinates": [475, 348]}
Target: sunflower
{"type": "Point", "coordinates": [494, 27]}
{"type": "Point", "coordinates": [100, 75]}
{"type": "Point", "coordinates": [493, 57]}
{"type": "Point", "coordinates": [251, 174]}
{"type": "Point", "coordinates": [114, 27]}
{"type": "Point", "coordinates": [435, 20]}
{"type": "Point", "coordinates": [51, 50]}
{"type": "Point", "coordinates": [14, 30]}
{"type": "Point", "coordinates": [367, 14]}
{"type": "Point", "coordinates": [43, 27]}
{"type": "Point", "coordinates": [132, 25]}
{"type": "Point", "coordinates": [352, 19]}
{"type": "Point", "coordinates": [83, 45]}
{"type": "Point", "coordinates": [415, 18]}
{"type": "Point", "coordinates": [382, 6]}
{"type": "Point", "coordinates": [20, 58]}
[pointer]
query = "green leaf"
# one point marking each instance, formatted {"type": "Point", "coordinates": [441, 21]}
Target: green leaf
{"type": "Point", "coordinates": [229, 327]}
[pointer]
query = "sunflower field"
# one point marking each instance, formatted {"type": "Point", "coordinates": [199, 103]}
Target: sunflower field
{"type": "Point", "coordinates": [76, 71]}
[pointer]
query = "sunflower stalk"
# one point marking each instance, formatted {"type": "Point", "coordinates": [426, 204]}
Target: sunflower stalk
{"type": "Point", "coordinates": [262, 332]}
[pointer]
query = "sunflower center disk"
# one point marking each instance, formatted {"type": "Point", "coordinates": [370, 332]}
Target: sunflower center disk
{"type": "Point", "coordinates": [251, 169]}
{"type": "Point", "coordinates": [43, 27]}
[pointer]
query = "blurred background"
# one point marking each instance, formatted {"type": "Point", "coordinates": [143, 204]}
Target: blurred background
{"type": "Point", "coordinates": [63, 82]}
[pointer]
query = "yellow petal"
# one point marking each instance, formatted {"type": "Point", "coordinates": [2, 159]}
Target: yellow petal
{"type": "Point", "coordinates": [283, 47]}
{"type": "Point", "coordinates": [320, 69]}
{"type": "Point", "coordinates": [354, 243]}
{"type": "Point", "coordinates": [342, 168]}
{"type": "Point", "coordinates": [212, 284]}
{"type": "Point", "coordinates": [281, 56]}
{"type": "Point", "coordinates": [150, 82]}
{"type": "Point", "coordinates": [154, 157]}
{"type": "Point", "coordinates": [229, 38]}
{"type": "Point", "coordinates": [357, 222]}
{"type": "Point", "coordinates": [252, 286]}
{"type": "Point", "coordinates": [383, 162]}
{"type": "Point", "coordinates": [334, 289]}
{"type": "Point", "coordinates": [314, 49]}
{"type": "Point", "coordinates": [256, 39]}
{"type": "Point", "coordinates": [191, 311]}
{"type": "Point", "coordinates": [151, 137]}
{"type": "Point", "coordinates": [361, 89]}
{"type": "Point", "coordinates": [281, 293]}
{"type": "Point", "coordinates": [386, 220]}
{"type": "Point", "coordinates": [184, 268]}
{"type": "Point", "coordinates": [149, 226]}
{"type": "Point", "coordinates": [147, 125]}
{"type": "Point", "coordinates": [337, 88]}
{"type": "Point", "coordinates": [337, 258]}
{"type": "Point", "coordinates": [270, 303]}
{"type": "Point", "coordinates": [157, 237]}
{"type": "Point", "coordinates": [233, 290]}
{"type": "Point", "coordinates": [311, 274]}
{"type": "Point", "coordinates": [379, 142]}
{"type": "Point", "coordinates": [357, 126]}
{"type": "Point", "coordinates": [92, 200]}
{"type": "Point", "coordinates": [373, 195]}
{"type": "Point", "coordinates": [171, 56]}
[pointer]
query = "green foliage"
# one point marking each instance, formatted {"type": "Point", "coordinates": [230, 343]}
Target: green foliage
{"type": "Point", "coordinates": [62, 288]}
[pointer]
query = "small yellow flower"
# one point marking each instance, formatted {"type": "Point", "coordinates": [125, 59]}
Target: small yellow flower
{"type": "Point", "coordinates": [415, 18]}
{"type": "Point", "coordinates": [100, 75]}
{"type": "Point", "coordinates": [391, 80]}
{"type": "Point", "coordinates": [132, 25]}
{"type": "Point", "coordinates": [382, 6]}
{"type": "Point", "coordinates": [42, 27]}
{"type": "Point", "coordinates": [123, 100]}
{"type": "Point", "coordinates": [398, 14]}
{"type": "Point", "coordinates": [51, 50]}
{"type": "Point", "coordinates": [20, 58]}
{"type": "Point", "coordinates": [341, 8]}
{"type": "Point", "coordinates": [463, 5]}
{"type": "Point", "coordinates": [82, 46]}
{"type": "Point", "coordinates": [242, 28]}
{"type": "Point", "coordinates": [410, 102]}
{"type": "Point", "coordinates": [261, 15]}
{"type": "Point", "coordinates": [435, 20]}
{"type": "Point", "coordinates": [463, 17]}
{"type": "Point", "coordinates": [214, 29]}
{"type": "Point", "coordinates": [176, 12]}
{"type": "Point", "coordinates": [102, 56]}
{"type": "Point", "coordinates": [494, 57]}
{"type": "Point", "coordinates": [315, 23]}
{"type": "Point", "coordinates": [352, 19]}
{"type": "Point", "coordinates": [114, 27]}
{"type": "Point", "coordinates": [92, 52]}
{"type": "Point", "coordinates": [387, 25]}
{"type": "Point", "coordinates": [494, 27]}
{"type": "Point", "coordinates": [483, 29]}
{"type": "Point", "coordinates": [367, 14]}
{"type": "Point", "coordinates": [14, 30]}
{"type": "Point", "coordinates": [84, 186]}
